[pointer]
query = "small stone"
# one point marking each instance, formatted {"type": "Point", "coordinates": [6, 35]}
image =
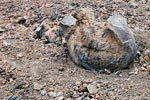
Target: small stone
{"type": "Point", "coordinates": [59, 94]}
{"type": "Point", "coordinates": [59, 98]}
{"type": "Point", "coordinates": [50, 36]}
{"type": "Point", "coordinates": [61, 68]}
{"type": "Point", "coordinates": [66, 26]}
{"type": "Point", "coordinates": [2, 80]}
{"type": "Point", "coordinates": [82, 88]}
{"type": "Point", "coordinates": [14, 97]}
{"type": "Point", "coordinates": [5, 43]}
{"type": "Point", "coordinates": [41, 29]}
{"type": "Point", "coordinates": [148, 66]}
{"type": "Point", "coordinates": [68, 21]}
{"type": "Point", "coordinates": [148, 69]}
{"type": "Point", "coordinates": [37, 86]}
{"type": "Point", "coordinates": [11, 80]}
{"type": "Point", "coordinates": [21, 20]}
{"type": "Point", "coordinates": [39, 32]}
{"type": "Point", "coordinates": [1, 30]}
{"type": "Point", "coordinates": [52, 94]}
{"type": "Point", "coordinates": [20, 55]}
{"type": "Point", "coordinates": [43, 92]}
{"type": "Point", "coordinates": [92, 89]}
{"type": "Point", "coordinates": [147, 58]}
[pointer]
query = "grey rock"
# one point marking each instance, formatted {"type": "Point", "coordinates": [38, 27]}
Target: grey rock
{"type": "Point", "coordinates": [92, 89]}
{"type": "Point", "coordinates": [43, 92]}
{"type": "Point", "coordinates": [52, 94]}
{"type": "Point", "coordinates": [41, 29]}
{"type": "Point", "coordinates": [67, 25]}
{"type": "Point", "coordinates": [39, 32]}
{"type": "Point", "coordinates": [68, 20]}
{"type": "Point", "coordinates": [117, 21]}
{"type": "Point", "coordinates": [37, 86]}
{"type": "Point", "coordinates": [59, 94]}
{"type": "Point", "coordinates": [60, 98]}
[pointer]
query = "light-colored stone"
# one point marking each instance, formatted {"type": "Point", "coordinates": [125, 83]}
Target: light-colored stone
{"type": "Point", "coordinates": [37, 86]}
{"type": "Point", "coordinates": [92, 89]}
{"type": "Point", "coordinates": [43, 92]}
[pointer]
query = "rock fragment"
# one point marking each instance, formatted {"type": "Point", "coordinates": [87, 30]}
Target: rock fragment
{"type": "Point", "coordinates": [50, 35]}
{"type": "Point", "coordinates": [1, 30]}
{"type": "Point", "coordinates": [21, 20]}
{"type": "Point", "coordinates": [41, 29]}
{"type": "Point", "coordinates": [92, 89]}
{"type": "Point", "coordinates": [43, 92]}
{"type": "Point", "coordinates": [67, 26]}
{"type": "Point", "coordinates": [37, 86]}
{"type": "Point", "coordinates": [52, 94]}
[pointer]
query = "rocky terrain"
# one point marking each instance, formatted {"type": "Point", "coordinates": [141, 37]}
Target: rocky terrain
{"type": "Point", "coordinates": [35, 67]}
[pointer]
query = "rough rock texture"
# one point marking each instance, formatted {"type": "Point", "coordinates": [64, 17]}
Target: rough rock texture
{"type": "Point", "coordinates": [26, 61]}
{"type": "Point", "coordinates": [109, 45]}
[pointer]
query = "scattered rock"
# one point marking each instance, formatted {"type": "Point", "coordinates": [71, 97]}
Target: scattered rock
{"type": "Point", "coordinates": [59, 94]}
{"type": "Point", "coordinates": [21, 20]}
{"type": "Point", "coordinates": [39, 32]}
{"type": "Point", "coordinates": [19, 55]}
{"type": "Point", "coordinates": [5, 43]}
{"type": "Point", "coordinates": [14, 97]}
{"type": "Point", "coordinates": [50, 35]}
{"type": "Point", "coordinates": [41, 29]}
{"type": "Point", "coordinates": [43, 92]}
{"type": "Point", "coordinates": [67, 26]}
{"type": "Point", "coordinates": [61, 68]}
{"type": "Point", "coordinates": [59, 98]}
{"type": "Point", "coordinates": [37, 86]}
{"type": "Point", "coordinates": [1, 30]}
{"type": "Point", "coordinates": [92, 89]}
{"type": "Point", "coordinates": [52, 94]}
{"type": "Point", "coordinates": [148, 68]}
{"type": "Point", "coordinates": [82, 88]}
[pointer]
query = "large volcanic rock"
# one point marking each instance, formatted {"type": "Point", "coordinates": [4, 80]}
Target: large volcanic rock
{"type": "Point", "coordinates": [106, 45]}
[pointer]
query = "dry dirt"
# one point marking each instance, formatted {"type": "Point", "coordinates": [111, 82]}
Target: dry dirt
{"type": "Point", "coordinates": [31, 69]}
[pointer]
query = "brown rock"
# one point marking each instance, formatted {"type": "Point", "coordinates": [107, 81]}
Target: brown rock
{"type": "Point", "coordinates": [109, 45]}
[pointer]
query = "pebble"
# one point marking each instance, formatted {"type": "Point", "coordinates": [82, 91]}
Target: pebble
{"type": "Point", "coordinates": [1, 30]}
{"type": "Point", "coordinates": [67, 25]}
{"type": "Point", "coordinates": [92, 89]}
{"type": "Point", "coordinates": [21, 20]}
{"type": "Point", "coordinates": [52, 94]}
{"type": "Point", "coordinates": [39, 32]}
{"type": "Point", "coordinates": [41, 29]}
{"type": "Point", "coordinates": [59, 98]}
{"type": "Point", "coordinates": [43, 92]}
{"type": "Point", "coordinates": [50, 36]}
{"type": "Point", "coordinates": [68, 21]}
{"type": "Point", "coordinates": [59, 94]}
{"type": "Point", "coordinates": [14, 97]}
{"type": "Point", "coordinates": [37, 86]}
{"type": "Point", "coordinates": [82, 88]}
{"type": "Point", "coordinates": [5, 43]}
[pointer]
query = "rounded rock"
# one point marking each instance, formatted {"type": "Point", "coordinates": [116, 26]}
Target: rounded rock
{"type": "Point", "coordinates": [110, 45]}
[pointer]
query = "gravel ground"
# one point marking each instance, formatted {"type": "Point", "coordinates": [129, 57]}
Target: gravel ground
{"type": "Point", "coordinates": [32, 69]}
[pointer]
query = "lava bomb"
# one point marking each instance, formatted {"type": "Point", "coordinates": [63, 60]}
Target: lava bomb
{"type": "Point", "coordinates": [106, 45]}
